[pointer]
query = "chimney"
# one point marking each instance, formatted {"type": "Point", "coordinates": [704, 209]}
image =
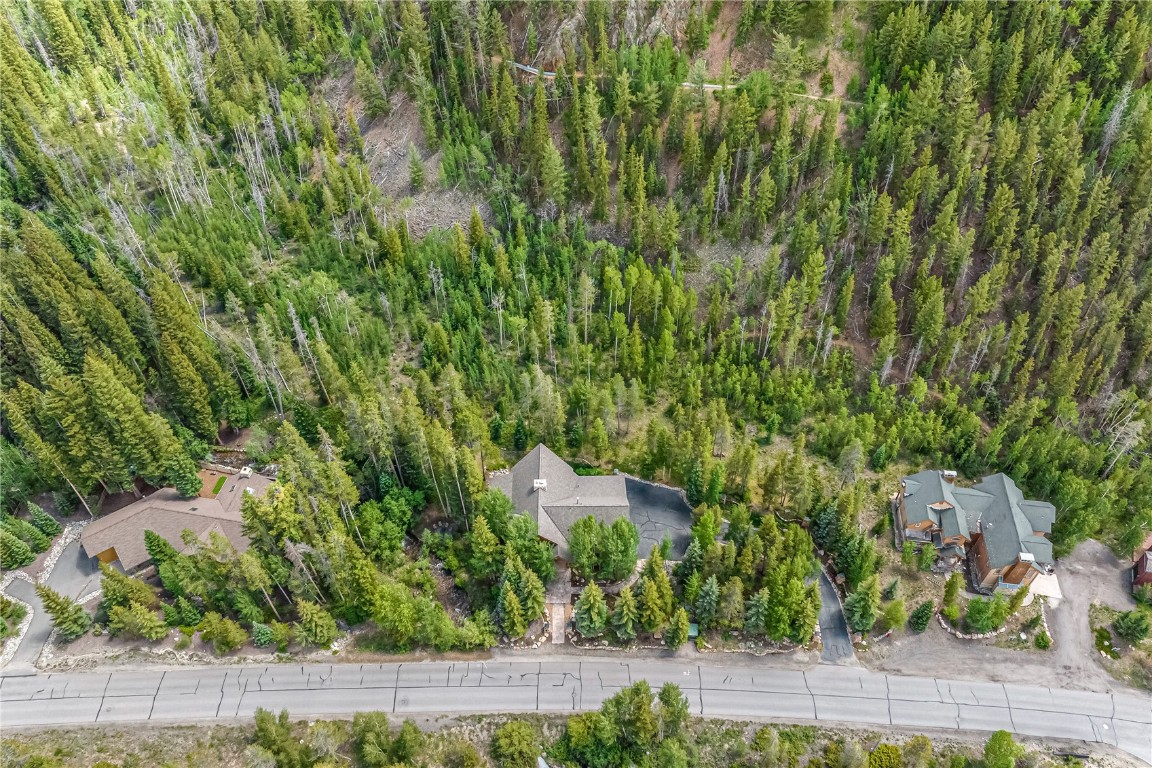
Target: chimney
{"type": "Point", "coordinates": [949, 476]}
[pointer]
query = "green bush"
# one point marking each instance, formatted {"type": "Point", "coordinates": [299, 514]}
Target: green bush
{"type": "Point", "coordinates": [920, 617]}
{"type": "Point", "coordinates": [262, 635]}
{"type": "Point", "coordinates": [515, 745]}
{"type": "Point", "coordinates": [224, 634]}
{"type": "Point", "coordinates": [1132, 626]}
{"type": "Point", "coordinates": [886, 756]}
{"type": "Point", "coordinates": [1043, 641]}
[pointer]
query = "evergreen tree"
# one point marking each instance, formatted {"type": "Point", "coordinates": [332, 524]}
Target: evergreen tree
{"type": "Point", "coordinates": [44, 522]}
{"type": "Point", "coordinates": [591, 612]}
{"type": "Point", "coordinates": [315, 625]}
{"type": "Point", "coordinates": [13, 552]}
{"type": "Point", "coordinates": [625, 616]}
{"type": "Point", "coordinates": [159, 550]}
{"type": "Point", "coordinates": [677, 633]}
{"type": "Point", "coordinates": [135, 621]}
{"type": "Point", "coordinates": [707, 603]}
{"type": "Point", "coordinates": [68, 617]}
{"type": "Point", "coordinates": [512, 616]}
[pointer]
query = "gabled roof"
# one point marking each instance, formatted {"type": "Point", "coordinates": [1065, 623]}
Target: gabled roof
{"type": "Point", "coordinates": [1010, 522]}
{"type": "Point", "coordinates": [955, 511]}
{"type": "Point", "coordinates": [567, 497]}
{"type": "Point", "coordinates": [995, 507]}
{"type": "Point", "coordinates": [168, 513]}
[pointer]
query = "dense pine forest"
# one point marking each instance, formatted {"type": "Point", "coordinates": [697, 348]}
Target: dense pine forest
{"type": "Point", "coordinates": [677, 262]}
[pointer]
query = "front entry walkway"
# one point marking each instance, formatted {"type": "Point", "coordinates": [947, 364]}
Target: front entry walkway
{"type": "Point", "coordinates": [558, 602]}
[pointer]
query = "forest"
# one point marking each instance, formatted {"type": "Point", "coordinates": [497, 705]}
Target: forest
{"type": "Point", "coordinates": [697, 274]}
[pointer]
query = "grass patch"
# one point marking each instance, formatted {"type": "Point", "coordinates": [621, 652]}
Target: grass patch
{"type": "Point", "coordinates": [1104, 642]}
{"type": "Point", "coordinates": [219, 484]}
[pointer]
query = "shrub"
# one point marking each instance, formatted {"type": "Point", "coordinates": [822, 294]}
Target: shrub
{"type": "Point", "coordinates": [224, 634]}
{"type": "Point", "coordinates": [908, 554]}
{"type": "Point", "coordinates": [261, 635]}
{"type": "Point", "coordinates": [892, 589]}
{"type": "Point", "coordinates": [894, 615]}
{"type": "Point", "coordinates": [1143, 594]}
{"type": "Point", "coordinates": [885, 756]}
{"type": "Point", "coordinates": [1043, 641]}
{"type": "Point", "coordinates": [515, 745]}
{"type": "Point", "coordinates": [952, 613]}
{"type": "Point", "coordinates": [920, 617]}
{"type": "Point", "coordinates": [1132, 626]}
{"type": "Point", "coordinates": [927, 557]}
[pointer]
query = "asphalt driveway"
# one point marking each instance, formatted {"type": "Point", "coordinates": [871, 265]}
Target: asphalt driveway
{"type": "Point", "coordinates": [658, 511]}
{"type": "Point", "coordinates": [74, 576]}
{"type": "Point", "coordinates": [833, 627]}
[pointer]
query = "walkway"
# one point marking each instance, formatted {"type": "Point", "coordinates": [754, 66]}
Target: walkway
{"type": "Point", "coordinates": [825, 694]}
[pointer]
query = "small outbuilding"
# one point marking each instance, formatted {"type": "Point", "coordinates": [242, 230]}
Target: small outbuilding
{"type": "Point", "coordinates": [119, 536]}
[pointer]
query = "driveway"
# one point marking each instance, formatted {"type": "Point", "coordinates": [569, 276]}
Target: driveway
{"type": "Point", "coordinates": [833, 627]}
{"type": "Point", "coordinates": [1091, 574]}
{"type": "Point", "coordinates": [658, 511]}
{"type": "Point", "coordinates": [74, 576]}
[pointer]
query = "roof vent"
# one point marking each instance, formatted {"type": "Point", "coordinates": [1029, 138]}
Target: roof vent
{"type": "Point", "coordinates": [949, 475]}
{"type": "Point", "coordinates": [1027, 557]}
{"type": "Point", "coordinates": [539, 484]}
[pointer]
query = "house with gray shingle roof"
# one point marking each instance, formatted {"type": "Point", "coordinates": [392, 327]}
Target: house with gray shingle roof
{"type": "Point", "coordinates": [1003, 535]}
{"type": "Point", "coordinates": [544, 487]}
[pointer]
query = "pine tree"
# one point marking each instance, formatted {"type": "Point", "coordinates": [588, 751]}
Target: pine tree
{"type": "Point", "coordinates": [67, 47]}
{"type": "Point", "coordinates": [121, 590]}
{"type": "Point", "coordinates": [677, 633]}
{"type": "Point", "coordinates": [159, 550]}
{"type": "Point", "coordinates": [135, 621]}
{"type": "Point", "coordinates": [43, 521]}
{"type": "Point", "coordinates": [13, 552]}
{"type": "Point", "coordinates": [68, 616]}
{"type": "Point", "coordinates": [415, 168]}
{"type": "Point", "coordinates": [181, 613]}
{"type": "Point", "coordinates": [591, 612]}
{"type": "Point", "coordinates": [315, 626]}
{"type": "Point", "coordinates": [511, 612]}
{"type": "Point", "coordinates": [625, 615]}
{"type": "Point", "coordinates": [707, 603]}
{"type": "Point", "coordinates": [758, 612]}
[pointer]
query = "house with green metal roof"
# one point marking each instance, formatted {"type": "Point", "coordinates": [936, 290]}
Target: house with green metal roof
{"type": "Point", "coordinates": [1002, 535]}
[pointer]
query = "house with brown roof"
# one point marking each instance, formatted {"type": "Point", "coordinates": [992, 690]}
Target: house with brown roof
{"type": "Point", "coordinates": [544, 487]}
{"type": "Point", "coordinates": [1003, 535]}
{"type": "Point", "coordinates": [119, 536]}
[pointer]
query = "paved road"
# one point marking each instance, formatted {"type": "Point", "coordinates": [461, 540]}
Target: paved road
{"type": "Point", "coordinates": [823, 694]}
{"type": "Point", "coordinates": [833, 627]}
